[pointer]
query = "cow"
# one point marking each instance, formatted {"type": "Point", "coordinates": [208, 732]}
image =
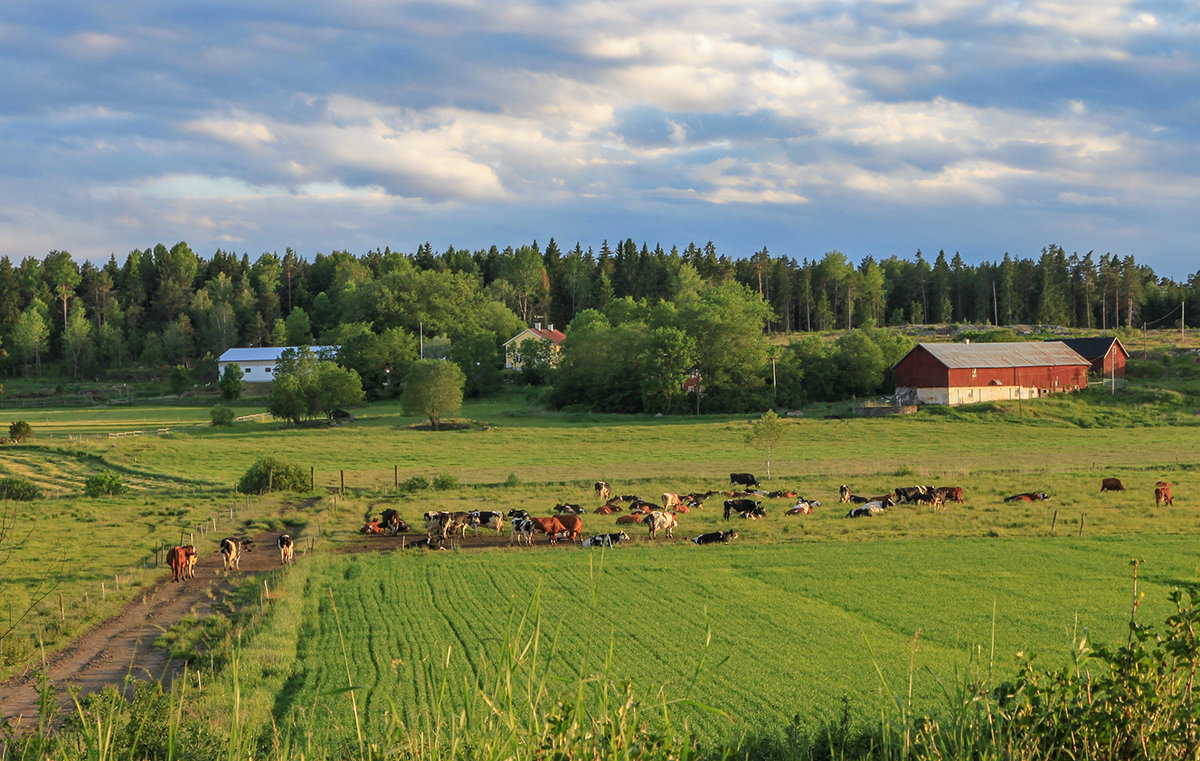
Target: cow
{"type": "Point", "coordinates": [1031, 496]}
{"type": "Point", "coordinates": [1111, 484]}
{"type": "Point", "coordinates": [522, 529]}
{"type": "Point", "coordinates": [627, 519]}
{"type": "Point", "coordinates": [605, 540]}
{"type": "Point", "coordinates": [434, 521]}
{"type": "Point", "coordinates": [390, 521]}
{"type": "Point", "coordinates": [287, 549]}
{"type": "Point", "coordinates": [426, 543]}
{"type": "Point", "coordinates": [371, 527]}
{"type": "Point", "coordinates": [457, 522]}
{"type": "Point", "coordinates": [569, 509]}
{"type": "Point", "coordinates": [178, 558]}
{"type": "Point", "coordinates": [232, 549]}
{"type": "Point", "coordinates": [192, 558]}
{"type": "Point", "coordinates": [681, 508]}
{"type": "Point", "coordinates": [725, 537]}
{"type": "Point", "coordinates": [487, 518]}
{"type": "Point", "coordinates": [847, 497]}
{"type": "Point", "coordinates": [782, 495]}
{"type": "Point", "coordinates": [1162, 493]}
{"type": "Point", "coordinates": [862, 511]}
{"type": "Point", "coordinates": [803, 507]}
{"type": "Point", "coordinates": [742, 479]}
{"type": "Point", "coordinates": [603, 491]}
{"type": "Point", "coordinates": [608, 508]}
{"type": "Point", "coordinates": [661, 521]}
{"type": "Point", "coordinates": [913, 493]}
{"type": "Point", "coordinates": [746, 508]}
{"type": "Point", "coordinates": [951, 493]}
{"type": "Point", "coordinates": [552, 526]}
{"type": "Point", "coordinates": [670, 499]}
{"type": "Point", "coordinates": [641, 506]}
{"type": "Point", "coordinates": [573, 525]}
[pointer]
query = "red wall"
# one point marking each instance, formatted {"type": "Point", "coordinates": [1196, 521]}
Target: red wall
{"type": "Point", "coordinates": [920, 370]}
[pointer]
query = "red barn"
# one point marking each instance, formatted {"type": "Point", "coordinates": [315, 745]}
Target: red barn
{"type": "Point", "coordinates": [1106, 353]}
{"type": "Point", "coordinates": [953, 373]}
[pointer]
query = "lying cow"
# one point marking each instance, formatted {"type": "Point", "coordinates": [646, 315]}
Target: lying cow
{"type": "Point", "coordinates": [424, 544]}
{"type": "Point", "coordinates": [625, 520]}
{"type": "Point", "coordinates": [782, 495]}
{"type": "Point", "coordinates": [608, 508]}
{"type": "Point", "coordinates": [1111, 484]}
{"type": "Point", "coordinates": [568, 509]}
{"type": "Point", "coordinates": [661, 521]}
{"type": "Point", "coordinates": [862, 511]}
{"type": "Point", "coordinates": [742, 479]}
{"type": "Point", "coordinates": [232, 549]}
{"type": "Point", "coordinates": [606, 540]}
{"type": "Point", "coordinates": [371, 527]}
{"type": "Point", "coordinates": [724, 537]}
{"type": "Point", "coordinates": [801, 508]}
{"type": "Point", "coordinates": [1162, 493]}
{"type": "Point", "coordinates": [745, 508]}
{"type": "Point", "coordinates": [287, 549]}
{"type": "Point", "coordinates": [1030, 496]}
{"type": "Point", "coordinates": [603, 491]}
{"type": "Point", "coordinates": [178, 558]}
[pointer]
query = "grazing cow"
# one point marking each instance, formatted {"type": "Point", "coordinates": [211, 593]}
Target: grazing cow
{"type": "Point", "coordinates": [287, 549]}
{"type": "Point", "coordinates": [661, 521]}
{"type": "Point", "coordinates": [1162, 493]}
{"type": "Point", "coordinates": [603, 491]}
{"type": "Point", "coordinates": [232, 549]}
{"type": "Point", "coordinates": [573, 525]}
{"type": "Point", "coordinates": [178, 559]}
{"type": "Point", "coordinates": [391, 522]}
{"type": "Point", "coordinates": [487, 518]}
{"type": "Point", "coordinates": [605, 540]}
{"type": "Point", "coordinates": [627, 519]}
{"type": "Point", "coordinates": [1111, 484]}
{"type": "Point", "coordinates": [742, 479]}
{"type": "Point", "coordinates": [724, 537]}
{"type": "Point", "coordinates": [566, 509]}
{"type": "Point", "coordinates": [608, 508]}
{"type": "Point", "coordinates": [746, 508]}
{"type": "Point", "coordinates": [951, 493]}
{"type": "Point", "coordinates": [913, 493]}
{"type": "Point", "coordinates": [1031, 496]}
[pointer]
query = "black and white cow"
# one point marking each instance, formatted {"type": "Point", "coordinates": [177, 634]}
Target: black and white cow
{"type": "Point", "coordinates": [606, 540]}
{"type": "Point", "coordinates": [724, 537]}
{"type": "Point", "coordinates": [287, 549]}
{"type": "Point", "coordinates": [391, 522]}
{"type": "Point", "coordinates": [488, 518]}
{"type": "Point", "coordinates": [569, 509]}
{"type": "Point", "coordinates": [745, 508]}
{"type": "Point", "coordinates": [232, 549]}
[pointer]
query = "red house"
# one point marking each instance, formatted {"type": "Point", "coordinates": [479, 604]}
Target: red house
{"type": "Point", "coordinates": [953, 373]}
{"type": "Point", "coordinates": [1106, 353]}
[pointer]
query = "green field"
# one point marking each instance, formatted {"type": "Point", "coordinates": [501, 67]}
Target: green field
{"type": "Point", "coordinates": [797, 614]}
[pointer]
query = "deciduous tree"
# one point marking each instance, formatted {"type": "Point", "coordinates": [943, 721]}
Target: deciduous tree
{"type": "Point", "coordinates": [433, 389]}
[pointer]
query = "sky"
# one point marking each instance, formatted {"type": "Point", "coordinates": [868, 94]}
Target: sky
{"type": "Point", "coordinates": [872, 128]}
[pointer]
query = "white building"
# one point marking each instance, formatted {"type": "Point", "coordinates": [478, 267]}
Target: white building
{"type": "Point", "coordinates": [258, 364]}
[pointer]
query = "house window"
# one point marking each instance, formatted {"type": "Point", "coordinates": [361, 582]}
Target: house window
{"type": "Point", "coordinates": [246, 370]}
{"type": "Point", "coordinates": [269, 369]}
{"type": "Point", "coordinates": [974, 372]}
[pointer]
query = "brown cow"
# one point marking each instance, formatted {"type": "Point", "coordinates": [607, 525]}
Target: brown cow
{"type": "Point", "coordinates": [681, 508]}
{"type": "Point", "coordinates": [635, 518]}
{"type": "Point", "coordinates": [178, 558]}
{"type": "Point", "coordinates": [607, 508]}
{"type": "Point", "coordinates": [670, 499]}
{"type": "Point", "coordinates": [1162, 493]}
{"type": "Point", "coordinates": [1111, 484]}
{"type": "Point", "coordinates": [952, 493]}
{"type": "Point", "coordinates": [572, 525]}
{"type": "Point", "coordinates": [554, 525]}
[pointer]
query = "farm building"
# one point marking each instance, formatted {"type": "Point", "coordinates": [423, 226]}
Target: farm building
{"type": "Point", "coordinates": [512, 347]}
{"type": "Point", "coordinates": [953, 373]}
{"type": "Point", "coordinates": [1106, 353]}
{"type": "Point", "coordinates": [258, 363]}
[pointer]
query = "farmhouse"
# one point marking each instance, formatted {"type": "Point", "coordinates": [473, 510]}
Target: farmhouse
{"type": "Point", "coordinates": [952, 373]}
{"type": "Point", "coordinates": [512, 347]}
{"type": "Point", "coordinates": [258, 363]}
{"type": "Point", "coordinates": [1106, 353]}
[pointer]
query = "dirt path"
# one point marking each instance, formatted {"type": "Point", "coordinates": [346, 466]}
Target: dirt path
{"type": "Point", "coordinates": [124, 644]}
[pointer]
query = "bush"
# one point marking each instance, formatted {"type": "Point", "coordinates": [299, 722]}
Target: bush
{"type": "Point", "coordinates": [512, 480]}
{"type": "Point", "coordinates": [222, 415]}
{"type": "Point", "coordinates": [273, 474]}
{"type": "Point", "coordinates": [416, 483]}
{"type": "Point", "coordinates": [19, 488]}
{"type": "Point", "coordinates": [445, 481]}
{"type": "Point", "coordinates": [104, 483]}
{"type": "Point", "coordinates": [20, 431]}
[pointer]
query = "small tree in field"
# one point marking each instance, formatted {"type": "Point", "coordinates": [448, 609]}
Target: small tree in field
{"type": "Point", "coordinates": [180, 380]}
{"type": "Point", "coordinates": [766, 433]}
{"type": "Point", "coordinates": [232, 382]}
{"type": "Point", "coordinates": [20, 431]}
{"type": "Point", "coordinates": [432, 389]}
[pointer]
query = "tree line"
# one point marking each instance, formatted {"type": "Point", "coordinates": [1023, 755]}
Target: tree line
{"type": "Point", "coordinates": [168, 306]}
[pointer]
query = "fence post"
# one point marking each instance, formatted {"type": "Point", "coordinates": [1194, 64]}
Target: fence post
{"type": "Point", "coordinates": [312, 478]}
{"type": "Point", "coordinates": [1053, 522]}
{"type": "Point", "coordinates": [342, 474]}
{"type": "Point", "coordinates": [395, 475]}
{"type": "Point", "coordinates": [103, 593]}
{"type": "Point", "coordinates": [1081, 524]}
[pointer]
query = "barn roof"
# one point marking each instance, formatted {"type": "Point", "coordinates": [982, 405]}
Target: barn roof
{"type": "Point", "coordinates": [1016, 354]}
{"type": "Point", "coordinates": [1091, 348]}
{"type": "Point", "coordinates": [265, 353]}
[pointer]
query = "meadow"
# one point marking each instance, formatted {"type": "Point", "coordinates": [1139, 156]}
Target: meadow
{"type": "Point", "coordinates": [802, 617]}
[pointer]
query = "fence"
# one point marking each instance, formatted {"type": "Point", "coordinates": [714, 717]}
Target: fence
{"type": "Point", "coordinates": [156, 432]}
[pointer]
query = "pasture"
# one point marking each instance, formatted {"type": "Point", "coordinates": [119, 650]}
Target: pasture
{"type": "Point", "coordinates": [799, 609]}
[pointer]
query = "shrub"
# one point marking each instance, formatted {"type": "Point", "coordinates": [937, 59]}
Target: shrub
{"type": "Point", "coordinates": [222, 415]}
{"type": "Point", "coordinates": [445, 481]}
{"type": "Point", "coordinates": [512, 480]}
{"type": "Point", "coordinates": [416, 483]}
{"type": "Point", "coordinates": [20, 431]}
{"type": "Point", "coordinates": [273, 474]}
{"type": "Point", "coordinates": [19, 488]}
{"type": "Point", "coordinates": [104, 483]}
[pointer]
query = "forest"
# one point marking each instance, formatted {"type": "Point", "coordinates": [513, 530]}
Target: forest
{"type": "Point", "coordinates": [627, 309]}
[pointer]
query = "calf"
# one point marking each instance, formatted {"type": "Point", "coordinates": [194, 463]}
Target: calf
{"type": "Point", "coordinates": [724, 537]}
{"type": "Point", "coordinates": [742, 479]}
{"type": "Point", "coordinates": [287, 549]}
{"type": "Point", "coordinates": [1032, 496]}
{"type": "Point", "coordinates": [661, 521]}
{"type": "Point", "coordinates": [746, 508]}
{"type": "Point", "coordinates": [1162, 493]}
{"type": "Point", "coordinates": [178, 559]}
{"type": "Point", "coordinates": [1111, 484]}
{"type": "Point", "coordinates": [606, 540]}
{"type": "Point", "coordinates": [603, 491]}
{"type": "Point", "coordinates": [232, 550]}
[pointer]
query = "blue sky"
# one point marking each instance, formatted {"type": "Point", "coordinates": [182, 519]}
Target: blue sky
{"type": "Point", "coordinates": [872, 128]}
